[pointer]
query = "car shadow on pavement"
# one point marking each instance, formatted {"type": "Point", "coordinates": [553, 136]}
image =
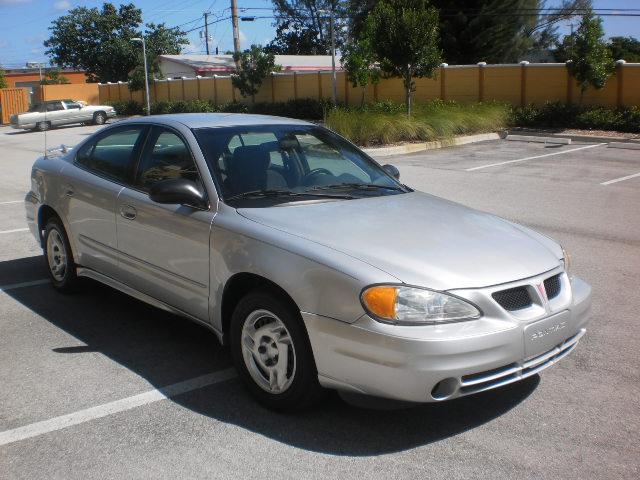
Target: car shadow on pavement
{"type": "Point", "coordinates": [165, 349]}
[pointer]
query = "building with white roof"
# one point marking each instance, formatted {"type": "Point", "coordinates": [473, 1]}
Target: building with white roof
{"type": "Point", "coordinates": [190, 66]}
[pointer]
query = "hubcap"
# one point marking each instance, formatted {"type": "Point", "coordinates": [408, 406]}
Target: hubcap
{"type": "Point", "coordinates": [56, 255]}
{"type": "Point", "coordinates": [268, 351]}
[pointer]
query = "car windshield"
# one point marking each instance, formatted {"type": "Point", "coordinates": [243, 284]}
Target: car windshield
{"type": "Point", "coordinates": [36, 107]}
{"type": "Point", "coordinates": [285, 163]}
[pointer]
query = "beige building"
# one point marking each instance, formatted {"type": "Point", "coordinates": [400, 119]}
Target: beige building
{"type": "Point", "coordinates": [190, 66]}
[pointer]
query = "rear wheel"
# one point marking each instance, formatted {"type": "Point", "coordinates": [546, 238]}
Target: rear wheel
{"type": "Point", "coordinates": [42, 126]}
{"type": "Point", "coordinates": [272, 354]}
{"type": "Point", "coordinates": [57, 252]}
{"type": "Point", "coordinates": [99, 118]}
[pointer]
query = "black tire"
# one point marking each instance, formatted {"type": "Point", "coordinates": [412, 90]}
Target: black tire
{"type": "Point", "coordinates": [99, 118]}
{"type": "Point", "coordinates": [43, 126]}
{"type": "Point", "coordinates": [64, 280]}
{"type": "Point", "coordinates": [304, 390]}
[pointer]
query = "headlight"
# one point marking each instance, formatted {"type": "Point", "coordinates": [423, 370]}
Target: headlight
{"type": "Point", "coordinates": [415, 306]}
{"type": "Point", "coordinates": [566, 262]}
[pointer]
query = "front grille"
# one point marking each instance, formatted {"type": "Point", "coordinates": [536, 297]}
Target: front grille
{"type": "Point", "coordinates": [552, 286]}
{"type": "Point", "coordinates": [513, 299]}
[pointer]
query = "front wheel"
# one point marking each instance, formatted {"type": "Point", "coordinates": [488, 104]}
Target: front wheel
{"type": "Point", "coordinates": [272, 354]}
{"type": "Point", "coordinates": [57, 251]}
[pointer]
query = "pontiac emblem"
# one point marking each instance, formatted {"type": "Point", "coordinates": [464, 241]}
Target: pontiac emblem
{"type": "Point", "coordinates": [542, 291]}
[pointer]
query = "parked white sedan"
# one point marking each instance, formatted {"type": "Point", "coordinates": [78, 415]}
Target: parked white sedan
{"type": "Point", "coordinates": [43, 116]}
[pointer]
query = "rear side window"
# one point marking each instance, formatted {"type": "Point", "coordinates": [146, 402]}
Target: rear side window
{"type": "Point", "coordinates": [53, 106]}
{"type": "Point", "coordinates": [112, 155]}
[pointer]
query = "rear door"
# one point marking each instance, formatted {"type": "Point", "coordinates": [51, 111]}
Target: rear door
{"type": "Point", "coordinates": [56, 113]}
{"type": "Point", "coordinates": [164, 249]}
{"type": "Point", "coordinates": [90, 188]}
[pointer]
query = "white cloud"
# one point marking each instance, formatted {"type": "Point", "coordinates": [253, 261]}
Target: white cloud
{"type": "Point", "coordinates": [62, 5]}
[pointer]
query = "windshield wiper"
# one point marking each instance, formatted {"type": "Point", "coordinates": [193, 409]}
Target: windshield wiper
{"type": "Point", "coordinates": [284, 193]}
{"type": "Point", "coordinates": [358, 186]}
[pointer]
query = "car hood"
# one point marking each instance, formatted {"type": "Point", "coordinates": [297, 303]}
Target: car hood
{"type": "Point", "coordinates": [419, 239]}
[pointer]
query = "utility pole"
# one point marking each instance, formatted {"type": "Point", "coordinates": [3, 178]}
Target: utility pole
{"type": "Point", "coordinates": [206, 30]}
{"type": "Point", "coordinates": [236, 31]}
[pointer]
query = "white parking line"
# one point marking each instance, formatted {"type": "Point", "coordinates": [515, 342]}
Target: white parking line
{"type": "Point", "coordinates": [11, 201]}
{"type": "Point", "coordinates": [616, 180]}
{"type": "Point", "coordinates": [15, 230]}
{"type": "Point", "coordinates": [533, 158]}
{"type": "Point", "coordinates": [106, 409]}
{"type": "Point", "coordinates": [13, 286]}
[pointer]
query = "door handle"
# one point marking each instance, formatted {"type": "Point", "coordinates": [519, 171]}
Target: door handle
{"type": "Point", "coordinates": [128, 212]}
{"type": "Point", "coordinates": [68, 190]}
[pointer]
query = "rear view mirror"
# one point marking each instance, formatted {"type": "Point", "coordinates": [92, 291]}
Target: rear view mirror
{"type": "Point", "coordinates": [178, 190]}
{"type": "Point", "coordinates": [392, 170]}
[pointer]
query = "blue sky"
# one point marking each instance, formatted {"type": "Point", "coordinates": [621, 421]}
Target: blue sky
{"type": "Point", "coordinates": [24, 23]}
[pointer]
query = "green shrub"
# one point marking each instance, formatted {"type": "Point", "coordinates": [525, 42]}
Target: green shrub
{"type": "Point", "coordinates": [568, 115]}
{"type": "Point", "coordinates": [234, 107]}
{"type": "Point", "coordinates": [127, 107]}
{"type": "Point", "coordinates": [161, 108]}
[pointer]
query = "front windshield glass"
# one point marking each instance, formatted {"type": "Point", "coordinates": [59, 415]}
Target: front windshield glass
{"type": "Point", "coordinates": [290, 163]}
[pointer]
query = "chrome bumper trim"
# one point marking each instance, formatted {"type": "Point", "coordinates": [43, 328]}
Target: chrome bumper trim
{"type": "Point", "coordinates": [514, 372]}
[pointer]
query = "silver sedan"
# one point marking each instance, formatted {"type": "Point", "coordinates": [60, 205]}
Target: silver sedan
{"type": "Point", "coordinates": [314, 263]}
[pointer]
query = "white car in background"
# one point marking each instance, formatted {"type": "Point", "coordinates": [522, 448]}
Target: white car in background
{"type": "Point", "coordinates": [43, 116]}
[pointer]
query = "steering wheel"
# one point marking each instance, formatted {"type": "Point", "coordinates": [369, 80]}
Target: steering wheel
{"type": "Point", "coordinates": [314, 172]}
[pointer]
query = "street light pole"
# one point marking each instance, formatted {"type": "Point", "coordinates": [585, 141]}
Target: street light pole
{"type": "Point", "coordinates": [334, 92]}
{"type": "Point", "coordinates": [146, 78]}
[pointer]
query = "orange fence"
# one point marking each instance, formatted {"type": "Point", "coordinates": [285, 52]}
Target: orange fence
{"type": "Point", "coordinates": [12, 101]}
{"type": "Point", "coordinates": [518, 84]}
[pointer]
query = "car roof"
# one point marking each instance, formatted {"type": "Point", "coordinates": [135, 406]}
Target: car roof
{"type": "Point", "coordinates": [204, 120]}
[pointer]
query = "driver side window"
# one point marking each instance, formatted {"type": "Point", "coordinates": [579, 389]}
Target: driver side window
{"type": "Point", "coordinates": [169, 157]}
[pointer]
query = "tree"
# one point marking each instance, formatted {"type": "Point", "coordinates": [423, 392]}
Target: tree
{"type": "Point", "coordinates": [494, 31]}
{"type": "Point", "coordinates": [54, 77]}
{"type": "Point", "coordinates": [293, 38]}
{"type": "Point", "coordinates": [99, 41]}
{"type": "Point", "coordinates": [3, 80]}
{"type": "Point", "coordinates": [404, 37]}
{"type": "Point", "coordinates": [254, 64]}
{"type": "Point", "coordinates": [358, 61]}
{"type": "Point", "coordinates": [590, 59]}
{"type": "Point", "coordinates": [625, 48]}
{"type": "Point", "coordinates": [303, 26]}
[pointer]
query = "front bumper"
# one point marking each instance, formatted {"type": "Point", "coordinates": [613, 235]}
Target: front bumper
{"type": "Point", "coordinates": [441, 362]}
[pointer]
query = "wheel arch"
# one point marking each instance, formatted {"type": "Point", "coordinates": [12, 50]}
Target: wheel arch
{"type": "Point", "coordinates": [45, 213]}
{"type": "Point", "coordinates": [237, 286]}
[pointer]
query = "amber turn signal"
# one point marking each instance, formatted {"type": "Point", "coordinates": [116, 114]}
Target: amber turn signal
{"type": "Point", "coordinates": [381, 301]}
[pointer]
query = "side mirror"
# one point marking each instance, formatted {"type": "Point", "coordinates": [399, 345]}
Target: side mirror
{"type": "Point", "coordinates": [178, 190]}
{"type": "Point", "coordinates": [391, 170]}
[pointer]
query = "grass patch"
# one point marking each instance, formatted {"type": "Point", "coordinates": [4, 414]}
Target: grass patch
{"type": "Point", "coordinates": [387, 122]}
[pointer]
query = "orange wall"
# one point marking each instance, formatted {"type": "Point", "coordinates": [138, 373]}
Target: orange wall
{"type": "Point", "coordinates": [87, 92]}
{"type": "Point", "coordinates": [12, 78]}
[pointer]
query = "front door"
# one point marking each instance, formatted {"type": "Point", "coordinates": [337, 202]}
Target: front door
{"type": "Point", "coordinates": [164, 249]}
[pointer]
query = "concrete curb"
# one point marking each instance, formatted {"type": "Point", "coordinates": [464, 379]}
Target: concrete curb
{"type": "Point", "coordinates": [627, 145]}
{"type": "Point", "coordinates": [576, 138]}
{"type": "Point", "coordinates": [539, 139]}
{"type": "Point", "coordinates": [421, 147]}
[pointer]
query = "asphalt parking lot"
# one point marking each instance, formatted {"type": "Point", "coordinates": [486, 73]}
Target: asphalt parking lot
{"type": "Point", "coordinates": [79, 373]}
